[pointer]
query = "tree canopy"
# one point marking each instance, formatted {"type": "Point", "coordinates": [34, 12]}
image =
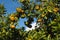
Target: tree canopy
{"type": "Point", "coordinates": [47, 13]}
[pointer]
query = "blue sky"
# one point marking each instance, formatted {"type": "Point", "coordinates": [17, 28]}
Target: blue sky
{"type": "Point", "coordinates": [11, 7]}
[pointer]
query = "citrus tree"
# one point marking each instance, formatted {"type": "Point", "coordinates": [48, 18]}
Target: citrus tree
{"type": "Point", "coordinates": [47, 13]}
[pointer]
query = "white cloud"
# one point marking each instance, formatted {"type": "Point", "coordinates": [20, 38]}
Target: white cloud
{"type": "Point", "coordinates": [33, 27]}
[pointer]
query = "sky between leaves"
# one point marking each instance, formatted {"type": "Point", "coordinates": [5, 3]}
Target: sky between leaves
{"type": "Point", "coordinates": [11, 8]}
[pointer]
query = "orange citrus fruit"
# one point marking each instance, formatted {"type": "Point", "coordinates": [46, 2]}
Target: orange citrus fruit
{"type": "Point", "coordinates": [42, 15]}
{"type": "Point", "coordinates": [12, 18]}
{"type": "Point", "coordinates": [40, 9]}
{"type": "Point", "coordinates": [39, 20]}
{"type": "Point", "coordinates": [22, 11]}
{"type": "Point", "coordinates": [12, 26]}
{"type": "Point", "coordinates": [36, 7]}
{"type": "Point", "coordinates": [55, 9]}
{"type": "Point", "coordinates": [18, 9]}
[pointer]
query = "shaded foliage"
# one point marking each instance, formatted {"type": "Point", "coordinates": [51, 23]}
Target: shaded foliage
{"type": "Point", "coordinates": [47, 15]}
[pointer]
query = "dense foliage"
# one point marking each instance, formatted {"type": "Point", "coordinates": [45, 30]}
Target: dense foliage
{"type": "Point", "coordinates": [47, 14]}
